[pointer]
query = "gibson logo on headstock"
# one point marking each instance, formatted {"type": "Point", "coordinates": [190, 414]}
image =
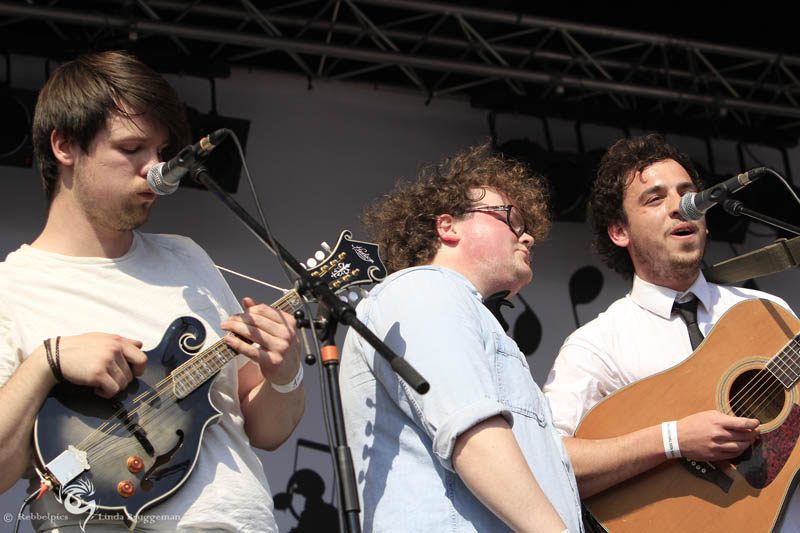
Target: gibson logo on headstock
{"type": "Point", "coordinates": [362, 253]}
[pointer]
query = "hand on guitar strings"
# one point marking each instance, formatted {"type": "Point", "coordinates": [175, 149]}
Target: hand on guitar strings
{"type": "Point", "coordinates": [103, 361]}
{"type": "Point", "coordinates": [713, 436]}
{"type": "Point", "coordinates": [274, 332]}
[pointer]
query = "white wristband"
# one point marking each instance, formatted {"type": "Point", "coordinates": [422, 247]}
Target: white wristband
{"type": "Point", "coordinates": [669, 433]}
{"type": "Point", "coordinates": [292, 385]}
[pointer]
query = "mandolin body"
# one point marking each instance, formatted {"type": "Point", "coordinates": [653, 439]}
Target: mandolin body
{"type": "Point", "coordinates": [142, 444]}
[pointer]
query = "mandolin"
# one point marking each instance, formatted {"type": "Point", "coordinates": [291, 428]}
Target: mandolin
{"type": "Point", "coordinates": [124, 455]}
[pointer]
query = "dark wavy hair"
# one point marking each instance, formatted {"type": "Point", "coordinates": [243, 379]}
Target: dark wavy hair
{"type": "Point", "coordinates": [617, 169]}
{"type": "Point", "coordinates": [403, 222]}
{"type": "Point", "coordinates": [82, 93]}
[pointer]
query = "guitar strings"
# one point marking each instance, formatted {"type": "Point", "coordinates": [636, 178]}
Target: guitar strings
{"type": "Point", "coordinates": [746, 393]}
{"type": "Point", "coordinates": [780, 386]}
{"type": "Point", "coordinates": [758, 388]}
{"type": "Point", "coordinates": [766, 384]}
{"type": "Point", "coordinates": [163, 390]}
{"type": "Point", "coordinates": [753, 395]}
{"type": "Point", "coordinates": [777, 383]}
{"type": "Point", "coordinates": [776, 362]}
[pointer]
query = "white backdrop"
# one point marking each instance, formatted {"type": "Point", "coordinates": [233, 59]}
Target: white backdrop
{"type": "Point", "coordinates": [318, 156]}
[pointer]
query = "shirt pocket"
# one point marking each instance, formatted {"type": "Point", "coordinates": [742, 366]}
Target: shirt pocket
{"type": "Point", "coordinates": [515, 386]}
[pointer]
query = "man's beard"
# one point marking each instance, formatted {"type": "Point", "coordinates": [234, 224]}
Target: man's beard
{"type": "Point", "coordinates": [668, 266]}
{"type": "Point", "coordinates": [127, 216]}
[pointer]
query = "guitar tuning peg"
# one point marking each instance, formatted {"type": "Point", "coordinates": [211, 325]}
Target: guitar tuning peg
{"type": "Point", "coordinates": [343, 297]}
{"type": "Point", "coordinates": [311, 262]}
{"type": "Point", "coordinates": [325, 246]}
{"type": "Point", "coordinates": [363, 292]}
{"type": "Point", "coordinates": [352, 296]}
{"type": "Point", "coordinates": [320, 255]}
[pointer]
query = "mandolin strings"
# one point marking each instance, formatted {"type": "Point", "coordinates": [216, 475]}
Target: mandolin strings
{"type": "Point", "coordinates": [95, 443]}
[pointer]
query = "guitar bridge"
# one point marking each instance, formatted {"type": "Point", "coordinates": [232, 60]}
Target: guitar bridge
{"type": "Point", "coordinates": [709, 472]}
{"type": "Point", "coordinates": [68, 465]}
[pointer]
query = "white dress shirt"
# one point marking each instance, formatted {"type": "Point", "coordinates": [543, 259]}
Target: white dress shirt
{"type": "Point", "coordinates": [636, 337]}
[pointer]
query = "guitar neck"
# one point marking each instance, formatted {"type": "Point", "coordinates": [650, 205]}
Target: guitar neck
{"type": "Point", "coordinates": [785, 365]}
{"type": "Point", "coordinates": [206, 364]}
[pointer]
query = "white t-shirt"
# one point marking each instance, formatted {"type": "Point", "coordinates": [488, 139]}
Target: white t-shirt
{"type": "Point", "coordinates": [138, 295]}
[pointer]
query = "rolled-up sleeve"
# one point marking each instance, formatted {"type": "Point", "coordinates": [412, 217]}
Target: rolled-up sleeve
{"type": "Point", "coordinates": [441, 337]}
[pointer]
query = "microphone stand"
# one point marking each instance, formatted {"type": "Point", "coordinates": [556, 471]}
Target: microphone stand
{"type": "Point", "coordinates": [347, 479]}
{"type": "Point", "coordinates": [333, 311]}
{"type": "Point", "coordinates": [737, 208]}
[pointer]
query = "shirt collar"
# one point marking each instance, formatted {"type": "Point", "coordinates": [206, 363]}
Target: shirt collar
{"type": "Point", "coordinates": [659, 300]}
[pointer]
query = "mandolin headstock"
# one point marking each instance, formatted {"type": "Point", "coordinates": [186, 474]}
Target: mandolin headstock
{"type": "Point", "coordinates": [350, 264]}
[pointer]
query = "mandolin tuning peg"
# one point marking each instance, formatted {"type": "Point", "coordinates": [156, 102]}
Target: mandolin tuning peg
{"type": "Point", "coordinates": [325, 246]}
{"type": "Point", "coordinates": [320, 255]}
{"type": "Point", "coordinates": [311, 262]}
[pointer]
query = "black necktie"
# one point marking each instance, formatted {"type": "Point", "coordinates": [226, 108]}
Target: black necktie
{"type": "Point", "coordinates": [688, 311]}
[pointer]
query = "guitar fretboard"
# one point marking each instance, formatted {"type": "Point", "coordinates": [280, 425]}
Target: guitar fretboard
{"type": "Point", "coordinates": [206, 364]}
{"type": "Point", "coordinates": [785, 365]}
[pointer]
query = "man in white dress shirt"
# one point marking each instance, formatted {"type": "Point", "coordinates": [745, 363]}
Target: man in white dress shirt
{"type": "Point", "coordinates": [638, 230]}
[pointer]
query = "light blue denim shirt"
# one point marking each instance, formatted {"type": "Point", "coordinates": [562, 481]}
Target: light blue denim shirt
{"type": "Point", "coordinates": [402, 442]}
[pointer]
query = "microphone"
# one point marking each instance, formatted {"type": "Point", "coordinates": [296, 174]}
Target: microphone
{"type": "Point", "coordinates": [694, 205]}
{"type": "Point", "coordinates": [164, 178]}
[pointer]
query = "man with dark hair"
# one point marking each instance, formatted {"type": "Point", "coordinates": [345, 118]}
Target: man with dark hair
{"type": "Point", "coordinates": [478, 452]}
{"type": "Point", "coordinates": [638, 230]}
{"type": "Point", "coordinates": [101, 121]}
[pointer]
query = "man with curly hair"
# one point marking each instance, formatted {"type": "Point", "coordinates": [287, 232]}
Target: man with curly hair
{"type": "Point", "coordinates": [479, 451]}
{"type": "Point", "coordinates": [638, 230]}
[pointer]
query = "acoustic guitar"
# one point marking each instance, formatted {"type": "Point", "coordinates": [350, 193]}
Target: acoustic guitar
{"type": "Point", "coordinates": [749, 365]}
{"type": "Point", "coordinates": [125, 455]}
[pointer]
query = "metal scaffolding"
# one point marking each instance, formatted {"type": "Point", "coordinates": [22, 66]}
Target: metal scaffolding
{"type": "Point", "coordinates": [498, 59]}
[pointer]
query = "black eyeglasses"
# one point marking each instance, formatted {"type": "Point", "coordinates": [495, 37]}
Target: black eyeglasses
{"type": "Point", "coordinates": [514, 217]}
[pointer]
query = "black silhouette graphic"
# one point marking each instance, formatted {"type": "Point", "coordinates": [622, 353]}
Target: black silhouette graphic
{"type": "Point", "coordinates": [584, 286]}
{"type": "Point", "coordinates": [527, 329]}
{"type": "Point", "coordinates": [317, 515]}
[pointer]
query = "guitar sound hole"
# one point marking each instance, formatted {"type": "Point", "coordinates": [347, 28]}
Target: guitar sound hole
{"type": "Point", "coordinates": [757, 394]}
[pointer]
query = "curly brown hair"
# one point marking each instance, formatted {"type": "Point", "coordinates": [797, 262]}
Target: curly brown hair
{"type": "Point", "coordinates": [81, 94]}
{"type": "Point", "coordinates": [618, 167]}
{"type": "Point", "coordinates": [403, 222]}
